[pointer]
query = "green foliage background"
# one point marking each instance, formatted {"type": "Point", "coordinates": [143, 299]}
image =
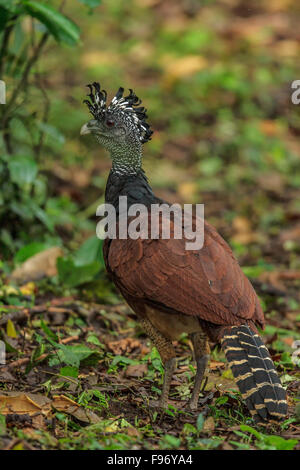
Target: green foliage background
{"type": "Point", "coordinates": [215, 76]}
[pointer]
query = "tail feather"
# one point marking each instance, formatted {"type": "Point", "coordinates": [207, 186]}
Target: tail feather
{"type": "Point", "coordinates": [254, 373]}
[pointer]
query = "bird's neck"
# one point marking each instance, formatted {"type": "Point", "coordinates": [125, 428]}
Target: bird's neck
{"type": "Point", "coordinates": [126, 160]}
{"type": "Point", "coordinates": [134, 186]}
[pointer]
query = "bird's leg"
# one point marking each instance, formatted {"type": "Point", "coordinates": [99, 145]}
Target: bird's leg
{"type": "Point", "coordinates": [169, 366]}
{"type": "Point", "coordinates": [167, 354]}
{"type": "Point", "coordinates": [201, 353]}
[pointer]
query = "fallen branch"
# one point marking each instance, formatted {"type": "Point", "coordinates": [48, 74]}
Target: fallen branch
{"type": "Point", "coordinates": [15, 316]}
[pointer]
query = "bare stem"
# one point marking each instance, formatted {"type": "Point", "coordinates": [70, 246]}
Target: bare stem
{"type": "Point", "coordinates": [46, 110]}
{"type": "Point", "coordinates": [5, 41]}
{"type": "Point", "coordinates": [23, 81]}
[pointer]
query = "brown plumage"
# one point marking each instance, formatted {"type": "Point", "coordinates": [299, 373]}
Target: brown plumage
{"type": "Point", "coordinates": [207, 284]}
{"type": "Point", "coordinates": [174, 290]}
{"type": "Point", "coordinates": [203, 293]}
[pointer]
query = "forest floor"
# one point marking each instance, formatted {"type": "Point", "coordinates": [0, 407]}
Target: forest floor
{"type": "Point", "coordinates": [81, 375]}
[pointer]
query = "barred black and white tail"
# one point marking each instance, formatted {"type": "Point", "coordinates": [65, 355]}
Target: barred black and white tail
{"type": "Point", "coordinates": [255, 374]}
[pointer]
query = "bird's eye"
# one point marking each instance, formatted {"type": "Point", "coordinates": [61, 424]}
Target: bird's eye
{"type": "Point", "coordinates": [110, 123]}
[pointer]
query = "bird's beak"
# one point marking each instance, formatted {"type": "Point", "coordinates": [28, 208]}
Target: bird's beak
{"type": "Point", "coordinates": [89, 127]}
{"type": "Point", "coordinates": [85, 130]}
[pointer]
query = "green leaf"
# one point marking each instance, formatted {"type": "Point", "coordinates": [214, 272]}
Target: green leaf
{"type": "Point", "coordinates": [7, 239]}
{"type": "Point", "coordinates": [61, 27]}
{"type": "Point", "coordinates": [156, 360]}
{"type": "Point", "coordinates": [72, 275]}
{"type": "Point", "coordinates": [189, 429]}
{"type": "Point", "coordinates": [91, 3]}
{"type": "Point", "coordinates": [40, 214]}
{"type": "Point", "coordinates": [71, 355]}
{"type": "Point", "coordinates": [172, 440]}
{"type": "Point", "coordinates": [92, 338]}
{"type": "Point", "coordinates": [35, 358]}
{"type": "Point", "coordinates": [2, 425]}
{"type": "Point", "coordinates": [253, 271]}
{"type": "Point", "coordinates": [6, 3]}
{"type": "Point", "coordinates": [49, 333]}
{"type": "Point", "coordinates": [69, 371]}
{"type": "Point", "coordinates": [200, 421]}
{"type": "Point", "coordinates": [8, 8]}
{"type": "Point", "coordinates": [4, 16]}
{"type": "Point", "coordinates": [52, 132]}
{"type": "Point", "coordinates": [123, 360]}
{"type": "Point", "coordinates": [221, 400]}
{"type": "Point", "coordinates": [279, 443]}
{"type": "Point", "coordinates": [10, 5]}
{"type": "Point", "coordinates": [23, 170]}
{"type": "Point", "coordinates": [89, 252]}
{"type": "Point", "coordinates": [29, 250]}
{"type": "Point", "coordinates": [10, 329]}
{"type": "Point", "coordinates": [246, 428]}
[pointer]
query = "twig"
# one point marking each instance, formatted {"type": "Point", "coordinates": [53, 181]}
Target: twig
{"type": "Point", "coordinates": [12, 443]}
{"type": "Point", "coordinates": [24, 78]}
{"type": "Point", "coordinates": [5, 41]}
{"type": "Point", "coordinates": [17, 363]}
{"type": "Point", "coordinates": [38, 147]}
{"type": "Point", "coordinates": [6, 136]}
{"type": "Point", "coordinates": [22, 83]}
{"type": "Point", "coordinates": [15, 316]}
{"type": "Point", "coordinates": [60, 375]}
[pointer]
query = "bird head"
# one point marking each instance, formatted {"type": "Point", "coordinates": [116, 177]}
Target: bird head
{"type": "Point", "coordinates": [118, 125]}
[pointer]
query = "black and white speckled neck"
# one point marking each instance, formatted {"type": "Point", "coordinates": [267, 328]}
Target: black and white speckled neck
{"type": "Point", "coordinates": [127, 160]}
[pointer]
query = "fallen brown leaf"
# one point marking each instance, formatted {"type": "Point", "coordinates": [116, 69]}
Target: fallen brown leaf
{"type": "Point", "coordinates": [125, 345]}
{"type": "Point", "coordinates": [243, 232]}
{"type": "Point", "coordinates": [66, 405]}
{"type": "Point", "coordinates": [38, 407]}
{"type": "Point", "coordinates": [38, 266]}
{"type": "Point", "coordinates": [209, 424]}
{"type": "Point", "coordinates": [290, 234]}
{"type": "Point", "coordinates": [179, 67]}
{"type": "Point", "coordinates": [22, 403]}
{"type": "Point", "coordinates": [288, 340]}
{"type": "Point", "coordinates": [213, 365]}
{"type": "Point", "coordinates": [133, 432]}
{"type": "Point", "coordinates": [138, 370]}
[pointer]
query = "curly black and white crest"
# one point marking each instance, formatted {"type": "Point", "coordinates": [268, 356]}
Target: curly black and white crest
{"type": "Point", "coordinates": [126, 106]}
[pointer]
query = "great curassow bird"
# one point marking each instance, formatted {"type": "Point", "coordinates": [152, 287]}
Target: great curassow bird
{"type": "Point", "coordinates": [171, 289]}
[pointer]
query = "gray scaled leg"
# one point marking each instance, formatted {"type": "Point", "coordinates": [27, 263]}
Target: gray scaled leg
{"type": "Point", "coordinates": [167, 354]}
{"type": "Point", "coordinates": [201, 354]}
